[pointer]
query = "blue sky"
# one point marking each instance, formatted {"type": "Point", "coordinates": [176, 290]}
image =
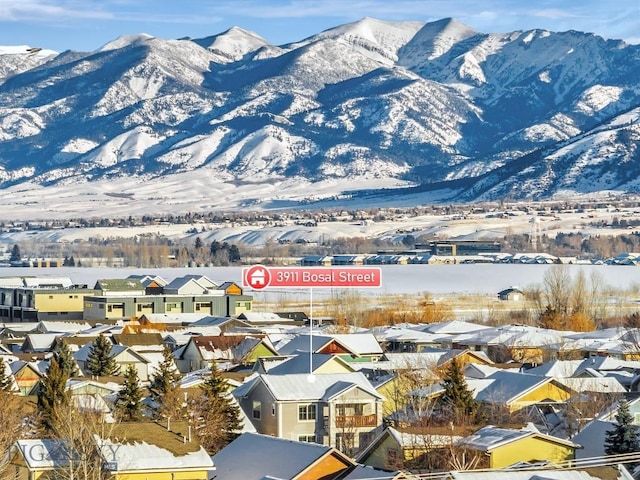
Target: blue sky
{"type": "Point", "coordinates": [85, 25]}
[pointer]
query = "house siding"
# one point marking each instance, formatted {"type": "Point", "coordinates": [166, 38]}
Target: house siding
{"type": "Point", "coordinates": [530, 449]}
{"type": "Point", "coordinates": [548, 391]}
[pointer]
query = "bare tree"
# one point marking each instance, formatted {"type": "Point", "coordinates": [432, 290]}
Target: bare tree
{"type": "Point", "coordinates": [12, 415]}
{"type": "Point", "coordinates": [79, 453]}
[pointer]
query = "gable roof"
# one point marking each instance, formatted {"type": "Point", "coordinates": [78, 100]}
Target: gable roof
{"type": "Point", "coordinates": [138, 339]}
{"type": "Point", "coordinates": [489, 438]}
{"type": "Point", "coordinates": [356, 343]}
{"type": "Point", "coordinates": [51, 453]}
{"type": "Point", "coordinates": [267, 458]}
{"type": "Point", "coordinates": [297, 387]}
{"type": "Point", "coordinates": [301, 363]}
{"type": "Point", "coordinates": [226, 347]}
{"type": "Point", "coordinates": [116, 285]}
{"type": "Point", "coordinates": [506, 386]}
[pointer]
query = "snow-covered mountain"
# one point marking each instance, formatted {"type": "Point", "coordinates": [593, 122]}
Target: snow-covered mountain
{"type": "Point", "coordinates": [435, 111]}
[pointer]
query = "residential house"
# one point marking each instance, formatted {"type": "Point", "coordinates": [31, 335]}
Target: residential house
{"type": "Point", "coordinates": [316, 261]}
{"type": "Point", "coordinates": [393, 449]}
{"type": "Point", "coordinates": [123, 356]}
{"type": "Point", "coordinates": [338, 410]}
{"type": "Point", "coordinates": [27, 374]}
{"type": "Point", "coordinates": [511, 294]}
{"type": "Point", "coordinates": [142, 451]}
{"type": "Point", "coordinates": [348, 259]}
{"type": "Point", "coordinates": [259, 319]}
{"type": "Point", "coordinates": [35, 459]}
{"type": "Point", "coordinates": [272, 457]}
{"type": "Point", "coordinates": [303, 362]}
{"type": "Point", "coordinates": [38, 342]}
{"type": "Point", "coordinates": [407, 339]}
{"type": "Point", "coordinates": [395, 375]}
{"type": "Point", "coordinates": [201, 350]}
{"type": "Point", "coordinates": [509, 391]}
{"type": "Point", "coordinates": [507, 446]}
{"type": "Point", "coordinates": [127, 298]}
{"type": "Point", "coordinates": [506, 343]}
{"type": "Point", "coordinates": [153, 284]}
{"type": "Point", "coordinates": [352, 347]}
{"type": "Point", "coordinates": [43, 298]}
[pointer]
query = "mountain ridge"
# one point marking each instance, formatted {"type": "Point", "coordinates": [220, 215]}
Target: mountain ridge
{"type": "Point", "coordinates": [430, 106]}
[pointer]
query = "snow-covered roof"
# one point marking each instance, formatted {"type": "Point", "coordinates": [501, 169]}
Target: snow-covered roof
{"type": "Point", "coordinates": [44, 454]}
{"type": "Point", "coordinates": [593, 384]}
{"type": "Point", "coordinates": [271, 457]}
{"type": "Point", "coordinates": [298, 387]}
{"type": "Point", "coordinates": [357, 343]}
{"type": "Point", "coordinates": [490, 437]}
{"type": "Point", "coordinates": [303, 364]}
{"type": "Point", "coordinates": [453, 327]}
{"type": "Point", "coordinates": [125, 457]}
{"type": "Point", "coordinates": [62, 327]}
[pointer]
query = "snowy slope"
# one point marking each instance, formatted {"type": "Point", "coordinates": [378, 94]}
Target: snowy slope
{"type": "Point", "coordinates": [431, 111]}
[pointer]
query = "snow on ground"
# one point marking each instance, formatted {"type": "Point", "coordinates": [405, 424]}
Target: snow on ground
{"type": "Point", "coordinates": [471, 226]}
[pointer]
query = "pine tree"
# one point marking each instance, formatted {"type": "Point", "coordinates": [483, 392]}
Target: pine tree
{"type": "Point", "coordinates": [66, 360]}
{"type": "Point", "coordinates": [6, 382]}
{"type": "Point", "coordinates": [129, 399]}
{"type": "Point", "coordinates": [623, 438]}
{"type": "Point", "coordinates": [218, 414]}
{"type": "Point", "coordinates": [164, 387]}
{"type": "Point", "coordinates": [16, 256]}
{"type": "Point", "coordinates": [53, 397]}
{"type": "Point", "coordinates": [99, 361]}
{"type": "Point", "coordinates": [457, 395]}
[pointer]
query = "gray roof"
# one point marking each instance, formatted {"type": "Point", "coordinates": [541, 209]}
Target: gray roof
{"type": "Point", "coordinates": [301, 363]}
{"type": "Point", "coordinates": [508, 385]}
{"type": "Point", "coordinates": [491, 437]}
{"type": "Point", "coordinates": [271, 457]}
{"type": "Point", "coordinates": [298, 387]}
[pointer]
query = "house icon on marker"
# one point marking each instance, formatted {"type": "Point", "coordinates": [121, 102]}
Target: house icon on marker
{"type": "Point", "coordinates": [258, 278]}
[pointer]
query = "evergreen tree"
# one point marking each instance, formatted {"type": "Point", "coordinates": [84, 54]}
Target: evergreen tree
{"type": "Point", "coordinates": [218, 414]}
{"type": "Point", "coordinates": [53, 397]}
{"type": "Point", "coordinates": [6, 382]}
{"type": "Point", "coordinates": [623, 438]}
{"type": "Point", "coordinates": [99, 361]}
{"type": "Point", "coordinates": [66, 360]}
{"type": "Point", "coordinates": [129, 399]}
{"type": "Point", "coordinates": [234, 254]}
{"type": "Point", "coordinates": [164, 387]}
{"type": "Point", "coordinates": [16, 256]}
{"type": "Point", "coordinates": [457, 396]}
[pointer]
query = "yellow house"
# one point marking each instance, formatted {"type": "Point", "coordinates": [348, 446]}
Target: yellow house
{"type": "Point", "coordinates": [150, 451]}
{"type": "Point", "coordinates": [517, 390]}
{"type": "Point", "coordinates": [38, 459]}
{"type": "Point", "coordinates": [393, 449]}
{"type": "Point", "coordinates": [506, 446]}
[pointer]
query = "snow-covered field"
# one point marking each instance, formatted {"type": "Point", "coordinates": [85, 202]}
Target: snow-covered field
{"type": "Point", "coordinates": [469, 226]}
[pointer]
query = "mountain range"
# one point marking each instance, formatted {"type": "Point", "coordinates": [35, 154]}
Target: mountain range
{"type": "Point", "coordinates": [372, 111]}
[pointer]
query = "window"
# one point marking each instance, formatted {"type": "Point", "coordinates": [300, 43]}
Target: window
{"type": "Point", "coordinates": [350, 409]}
{"type": "Point", "coordinates": [257, 409]}
{"type": "Point", "coordinates": [307, 438]}
{"type": "Point", "coordinates": [306, 412]}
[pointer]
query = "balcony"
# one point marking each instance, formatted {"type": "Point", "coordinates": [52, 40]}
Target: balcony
{"type": "Point", "coordinates": [356, 421]}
